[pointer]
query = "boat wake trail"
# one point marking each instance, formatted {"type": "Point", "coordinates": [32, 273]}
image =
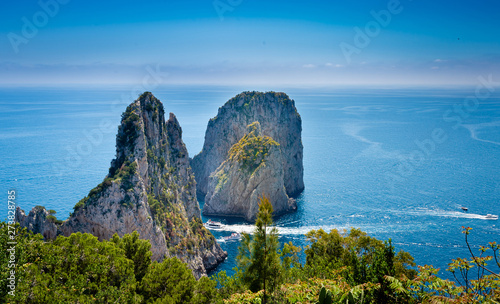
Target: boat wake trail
{"type": "Point", "coordinates": [467, 215]}
{"type": "Point", "coordinates": [248, 228]}
{"type": "Point", "coordinates": [455, 214]}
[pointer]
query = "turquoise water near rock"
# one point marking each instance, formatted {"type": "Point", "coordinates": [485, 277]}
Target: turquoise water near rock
{"type": "Point", "coordinates": [397, 163]}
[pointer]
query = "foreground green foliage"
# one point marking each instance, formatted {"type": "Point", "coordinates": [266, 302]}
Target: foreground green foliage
{"type": "Point", "coordinates": [356, 263]}
{"type": "Point", "coordinates": [351, 267]}
{"type": "Point", "coordinates": [78, 268]}
{"type": "Point", "coordinates": [258, 257]}
{"type": "Point", "coordinates": [139, 251]}
{"type": "Point", "coordinates": [475, 281]}
{"type": "Point", "coordinates": [81, 269]}
{"type": "Point", "coordinates": [340, 267]}
{"type": "Point", "coordinates": [365, 260]}
{"type": "Point", "coordinates": [170, 281]}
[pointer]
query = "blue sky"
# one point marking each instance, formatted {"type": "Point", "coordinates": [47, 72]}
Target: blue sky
{"type": "Point", "coordinates": [240, 42]}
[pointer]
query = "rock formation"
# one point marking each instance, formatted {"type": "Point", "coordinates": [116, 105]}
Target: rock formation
{"type": "Point", "coordinates": [279, 120]}
{"type": "Point", "coordinates": [150, 188]}
{"type": "Point", "coordinates": [37, 220]}
{"type": "Point", "coordinates": [254, 168]}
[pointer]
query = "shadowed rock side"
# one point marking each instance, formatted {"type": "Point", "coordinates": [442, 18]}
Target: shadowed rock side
{"type": "Point", "coordinates": [150, 188]}
{"type": "Point", "coordinates": [254, 168]}
{"type": "Point", "coordinates": [279, 120]}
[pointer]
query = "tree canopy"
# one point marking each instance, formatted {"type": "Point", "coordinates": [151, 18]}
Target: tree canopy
{"type": "Point", "coordinates": [340, 267]}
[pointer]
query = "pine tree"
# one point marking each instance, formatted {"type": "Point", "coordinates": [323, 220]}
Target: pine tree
{"type": "Point", "coordinates": [170, 281]}
{"type": "Point", "coordinates": [137, 250]}
{"type": "Point", "coordinates": [258, 256]}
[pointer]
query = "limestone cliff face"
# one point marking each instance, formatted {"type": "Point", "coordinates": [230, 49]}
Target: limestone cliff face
{"type": "Point", "coordinates": [254, 169]}
{"type": "Point", "coordinates": [151, 189]}
{"type": "Point", "coordinates": [117, 210]}
{"type": "Point", "coordinates": [37, 220]}
{"type": "Point", "coordinates": [279, 120]}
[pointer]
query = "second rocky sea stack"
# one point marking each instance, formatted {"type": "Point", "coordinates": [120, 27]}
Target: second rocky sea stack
{"type": "Point", "coordinates": [252, 148]}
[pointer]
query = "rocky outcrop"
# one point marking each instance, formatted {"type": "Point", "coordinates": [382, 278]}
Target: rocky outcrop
{"type": "Point", "coordinates": [151, 189]}
{"type": "Point", "coordinates": [117, 210]}
{"type": "Point", "coordinates": [254, 169]}
{"type": "Point", "coordinates": [279, 120]}
{"type": "Point", "coordinates": [39, 220]}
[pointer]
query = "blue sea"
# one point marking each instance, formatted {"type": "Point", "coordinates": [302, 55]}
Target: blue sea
{"type": "Point", "coordinates": [397, 162]}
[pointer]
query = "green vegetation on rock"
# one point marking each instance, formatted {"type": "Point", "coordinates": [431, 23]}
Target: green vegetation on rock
{"type": "Point", "coordinates": [123, 175]}
{"type": "Point", "coordinates": [128, 130]}
{"type": "Point", "coordinates": [54, 220]}
{"type": "Point", "coordinates": [252, 149]}
{"type": "Point", "coordinates": [222, 178]}
{"type": "Point", "coordinates": [245, 100]}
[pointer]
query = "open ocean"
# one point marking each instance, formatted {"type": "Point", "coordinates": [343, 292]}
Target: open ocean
{"type": "Point", "coordinates": [396, 163]}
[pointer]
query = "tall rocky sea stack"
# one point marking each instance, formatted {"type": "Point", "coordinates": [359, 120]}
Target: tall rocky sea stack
{"type": "Point", "coordinates": [150, 188]}
{"type": "Point", "coordinates": [254, 168]}
{"type": "Point", "coordinates": [252, 148]}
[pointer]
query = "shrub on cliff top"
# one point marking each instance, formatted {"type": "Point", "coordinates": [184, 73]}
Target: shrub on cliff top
{"type": "Point", "coordinates": [252, 149]}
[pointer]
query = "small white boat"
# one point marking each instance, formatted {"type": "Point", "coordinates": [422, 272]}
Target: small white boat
{"type": "Point", "coordinates": [233, 236]}
{"type": "Point", "coordinates": [212, 225]}
{"type": "Point", "coordinates": [464, 209]}
{"type": "Point", "coordinates": [491, 217]}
